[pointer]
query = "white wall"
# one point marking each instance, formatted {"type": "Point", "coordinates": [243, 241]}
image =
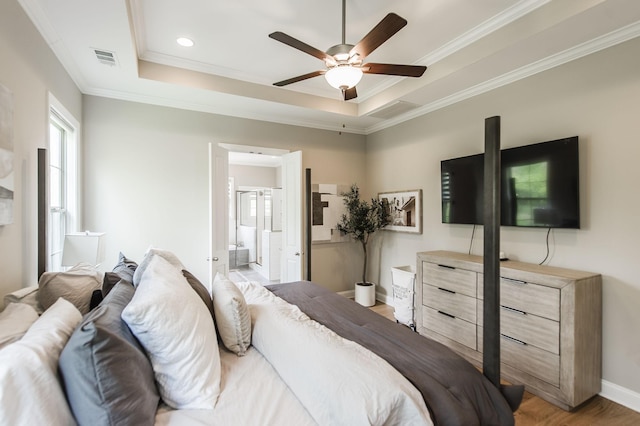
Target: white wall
{"type": "Point", "coordinates": [30, 71]}
{"type": "Point", "coordinates": [148, 173]}
{"type": "Point", "coordinates": [596, 98]}
{"type": "Point", "coordinates": [254, 176]}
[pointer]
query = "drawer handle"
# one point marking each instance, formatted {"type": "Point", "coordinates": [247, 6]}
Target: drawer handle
{"type": "Point", "coordinates": [446, 266]}
{"type": "Point", "coordinates": [514, 281]}
{"type": "Point", "coordinates": [446, 314]}
{"type": "Point", "coordinates": [514, 310]}
{"type": "Point", "coordinates": [511, 339]}
{"type": "Point", "coordinates": [447, 290]}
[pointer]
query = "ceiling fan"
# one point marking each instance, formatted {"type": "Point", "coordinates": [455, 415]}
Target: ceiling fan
{"type": "Point", "coordinates": [344, 61]}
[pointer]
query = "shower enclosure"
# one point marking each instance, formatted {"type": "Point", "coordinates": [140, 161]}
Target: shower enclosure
{"type": "Point", "coordinates": [256, 212]}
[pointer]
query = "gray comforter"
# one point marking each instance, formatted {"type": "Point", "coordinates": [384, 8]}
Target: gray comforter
{"type": "Point", "coordinates": [455, 391]}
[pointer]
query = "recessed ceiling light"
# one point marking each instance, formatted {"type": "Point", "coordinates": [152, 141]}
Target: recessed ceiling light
{"type": "Point", "coordinates": [184, 41]}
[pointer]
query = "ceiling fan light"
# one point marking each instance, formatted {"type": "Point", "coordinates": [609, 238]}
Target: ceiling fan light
{"type": "Point", "coordinates": [343, 76]}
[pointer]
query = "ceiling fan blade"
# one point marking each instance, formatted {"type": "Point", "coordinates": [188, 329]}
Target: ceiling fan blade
{"type": "Point", "coordinates": [349, 94]}
{"type": "Point", "coordinates": [297, 44]}
{"type": "Point", "coordinates": [382, 32]}
{"type": "Point", "coordinates": [299, 78]}
{"type": "Point", "coordinates": [393, 69]}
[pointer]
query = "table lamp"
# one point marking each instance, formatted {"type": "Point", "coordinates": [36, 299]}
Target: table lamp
{"type": "Point", "coordinates": [83, 247]}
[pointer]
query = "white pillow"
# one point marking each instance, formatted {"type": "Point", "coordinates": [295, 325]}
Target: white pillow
{"type": "Point", "coordinates": [31, 393]}
{"type": "Point", "coordinates": [150, 253]}
{"type": "Point", "coordinates": [232, 315]}
{"type": "Point", "coordinates": [175, 328]}
{"type": "Point", "coordinates": [15, 320]}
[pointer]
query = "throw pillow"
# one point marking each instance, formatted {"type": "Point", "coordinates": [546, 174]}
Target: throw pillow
{"type": "Point", "coordinates": [75, 285]}
{"type": "Point", "coordinates": [176, 330]}
{"type": "Point", "coordinates": [15, 320]}
{"type": "Point", "coordinates": [109, 281]}
{"type": "Point", "coordinates": [31, 393]}
{"type": "Point", "coordinates": [124, 269]}
{"type": "Point", "coordinates": [151, 252]}
{"type": "Point", "coordinates": [107, 376]}
{"type": "Point", "coordinates": [200, 290]}
{"type": "Point", "coordinates": [233, 318]}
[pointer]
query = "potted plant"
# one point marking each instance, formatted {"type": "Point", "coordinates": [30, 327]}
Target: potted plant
{"type": "Point", "coordinates": [361, 221]}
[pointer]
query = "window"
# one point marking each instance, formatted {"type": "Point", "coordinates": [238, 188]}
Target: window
{"type": "Point", "coordinates": [63, 182]}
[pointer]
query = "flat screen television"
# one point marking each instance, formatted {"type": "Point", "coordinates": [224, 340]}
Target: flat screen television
{"type": "Point", "coordinates": [539, 186]}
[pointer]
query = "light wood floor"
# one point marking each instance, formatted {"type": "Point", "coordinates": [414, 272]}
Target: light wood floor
{"type": "Point", "coordinates": [536, 411]}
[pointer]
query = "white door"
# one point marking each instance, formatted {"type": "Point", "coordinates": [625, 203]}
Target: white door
{"type": "Point", "coordinates": [218, 211]}
{"type": "Point", "coordinates": [292, 217]}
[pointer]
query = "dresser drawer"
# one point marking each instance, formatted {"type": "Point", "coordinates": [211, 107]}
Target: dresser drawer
{"type": "Point", "coordinates": [449, 326]}
{"type": "Point", "coordinates": [531, 329]}
{"type": "Point", "coordinates": [448, 301]}
{"type": "Point", "coordinates": [528, 297]}
{"type": "Point", "coordinates": [454, 279]}
{"type": "Point", "coordinates": [527, 358]}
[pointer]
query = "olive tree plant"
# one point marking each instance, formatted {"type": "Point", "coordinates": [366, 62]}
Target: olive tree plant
{"type": "Point", "coordinates": [362, 219]}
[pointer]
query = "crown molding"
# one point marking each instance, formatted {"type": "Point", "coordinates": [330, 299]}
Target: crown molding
{"type": "Point", "coordinates": [600, 43]}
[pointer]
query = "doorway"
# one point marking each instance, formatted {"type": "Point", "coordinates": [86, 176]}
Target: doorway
{"type": "Point", "coordinates": [255, 213]}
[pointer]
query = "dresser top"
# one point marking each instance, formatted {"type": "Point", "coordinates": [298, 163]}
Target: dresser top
{"type": "Point", "coordinates": [507, 267]}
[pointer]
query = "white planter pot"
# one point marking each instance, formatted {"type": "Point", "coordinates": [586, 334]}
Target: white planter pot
{"type": "Point", "coordinates": [365, 294]}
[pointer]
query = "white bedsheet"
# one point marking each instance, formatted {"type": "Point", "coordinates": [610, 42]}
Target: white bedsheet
{"type": "Point", "coordinates": [338, 381]}
{"type": "Point", "coordinates": [252, 394]}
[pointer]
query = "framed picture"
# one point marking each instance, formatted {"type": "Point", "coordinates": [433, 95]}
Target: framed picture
{"type": "Point", "coordinates": [327, 207]}
{"type": "Point", "coordinates": [405, 208]}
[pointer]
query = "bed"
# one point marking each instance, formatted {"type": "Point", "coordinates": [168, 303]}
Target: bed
{"type": "Point", "coordinates": [151, 352]}
{"type": "Point", "coordinates": [455, 392]}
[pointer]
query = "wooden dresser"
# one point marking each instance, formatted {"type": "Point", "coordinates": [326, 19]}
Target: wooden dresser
{"type": "Point", "coordinates": [550, 321]}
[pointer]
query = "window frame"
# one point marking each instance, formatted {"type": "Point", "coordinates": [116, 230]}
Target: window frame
{"type": "Point", "coordinates": [62, 119]}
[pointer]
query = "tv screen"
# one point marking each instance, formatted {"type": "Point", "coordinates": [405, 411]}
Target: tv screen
{"type": "Point", "coordinates": [539, 186]}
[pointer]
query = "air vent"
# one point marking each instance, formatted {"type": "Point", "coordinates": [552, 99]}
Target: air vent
{"type": "Point", "coordinates": [105, 57]}
{"type": "Point", "coordinates": [392, 110]}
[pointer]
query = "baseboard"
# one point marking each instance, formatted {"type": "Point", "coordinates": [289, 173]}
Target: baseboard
{"type": "Point", "coordinates": [384, 298]}
{"type": "Point", "coordinates": [620, 395]}
{"type": "Point", "coordinates": [350, 294]}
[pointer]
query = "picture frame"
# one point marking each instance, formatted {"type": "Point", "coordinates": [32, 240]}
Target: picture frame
{"type": "Point", "coordinates": [327, 207]}
{"type": "Point", "coordinates": [405, 208]}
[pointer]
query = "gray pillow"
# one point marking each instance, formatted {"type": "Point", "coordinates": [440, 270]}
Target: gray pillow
{"type": "Point", "coordinates": [124, 269]}
{"type": "Point", "coordinates": [107, 376]}
{"type": "Point", "coordinates": [200, 289]}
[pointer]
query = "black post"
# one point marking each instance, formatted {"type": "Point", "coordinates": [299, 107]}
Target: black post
{"type": "Point", "coordinates": [42, 211]}
{"type": "Point", "coordinates": [491, 336]}
{"type": "Point", "coordinates": [309, 222]}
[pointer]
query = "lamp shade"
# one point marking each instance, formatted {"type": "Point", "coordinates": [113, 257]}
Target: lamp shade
{"type": "Point", "coordinates": [343, 76]}
{"type": "Point", "coordinates": [83, 247]}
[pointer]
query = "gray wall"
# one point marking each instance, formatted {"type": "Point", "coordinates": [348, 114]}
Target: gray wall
{"type": "Point", "coordinates": [596, 98]}
{"type": "Point", "coordinates": [30, 71]}
{"type": "Point", "coordinates": [147, 169]}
